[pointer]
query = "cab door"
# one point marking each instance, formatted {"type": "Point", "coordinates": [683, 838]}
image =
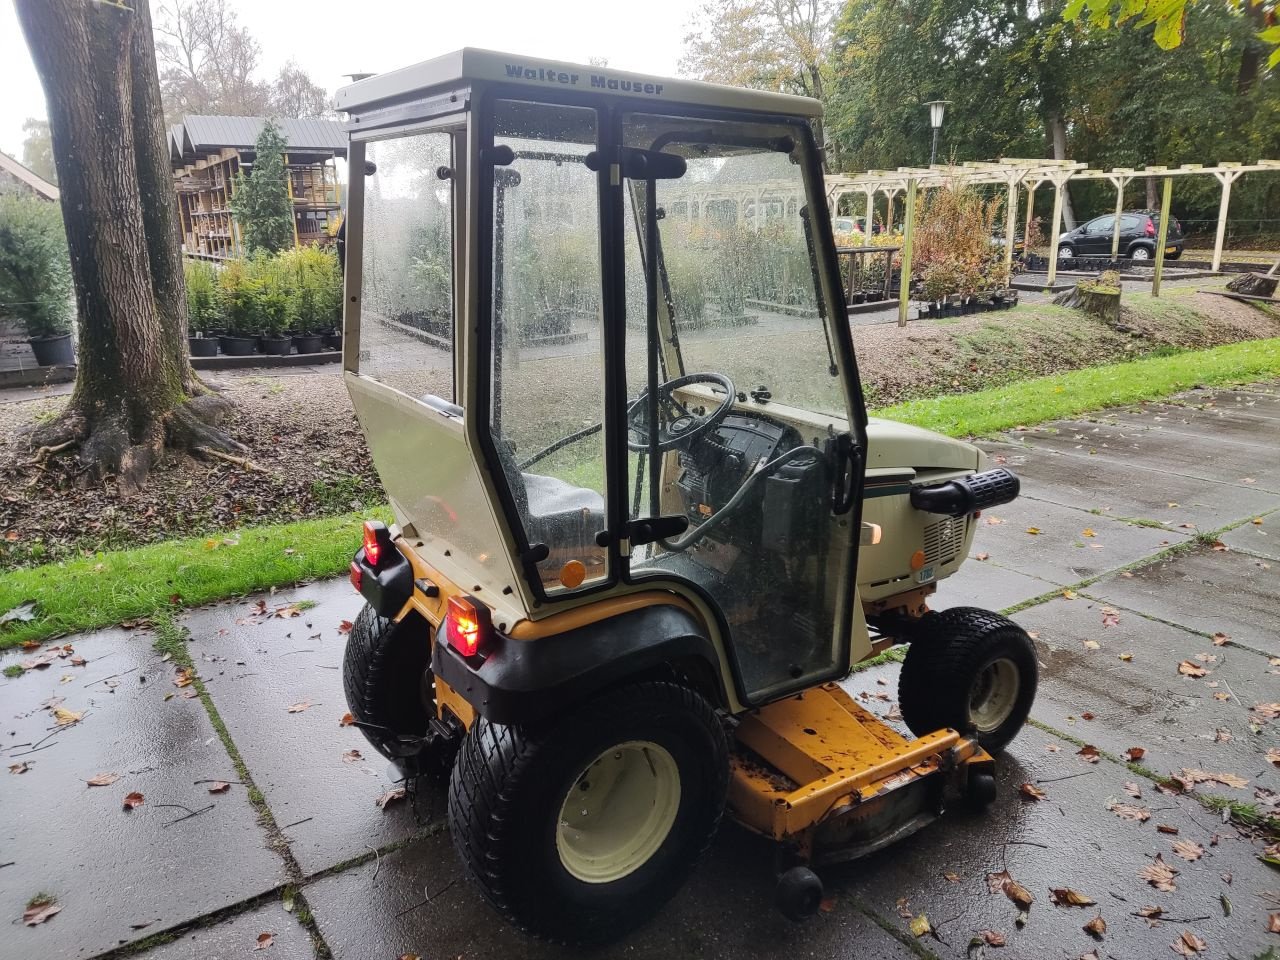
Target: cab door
{"type": "Point", "coordinates": [737, 350]}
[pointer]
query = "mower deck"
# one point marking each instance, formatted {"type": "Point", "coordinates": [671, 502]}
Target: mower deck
{"type": "Point", "coordinates": [823, 773]}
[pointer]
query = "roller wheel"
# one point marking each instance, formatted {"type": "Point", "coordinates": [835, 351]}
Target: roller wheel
{"type": "Point", "coordinates": [799, 893]}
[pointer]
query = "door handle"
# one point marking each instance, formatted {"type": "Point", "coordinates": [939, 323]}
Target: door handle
{"type": "Point", "coordinates": [846, 466]}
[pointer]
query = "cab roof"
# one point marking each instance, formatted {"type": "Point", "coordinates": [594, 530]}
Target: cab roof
{"type": "Point", "coordinates": [462, 67]}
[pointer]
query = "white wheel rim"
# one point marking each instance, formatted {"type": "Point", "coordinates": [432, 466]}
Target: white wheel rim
{"type": "Point", "coordinates": [1064, 253]}
{"type": "Point", "coordinates": [618, 812]}
{"type": "Point", "coordinates": [993, 694]}
{"type": "Point", "coordinates": [1141, 253]}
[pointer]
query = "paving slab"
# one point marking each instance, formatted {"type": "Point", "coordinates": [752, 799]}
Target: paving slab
{"type": "Point", "coordinates": [1207, 590]}
{"type": "Point", "coordinates": [107, 867]}
{"type": "Point", "coordinates": [1129, 490]}
{"type": "Point", "coordinates": [1068, 548]}
{"type": "Point", "coordinates": [1259, 539]}
{"type": "Point", "coordinates": [257, 666]}
{"type": "Point", "coordinates": [724, 911]}
{"type": "Point", "coordinates": [1069, 840]}
{"type": "Point", "coordinates": [985, 585]}
{"type": "Point", "coordinates": [237, 937]}
{"type": "Point", "coordinates": [1237, 425]}
{"type": "Point", "coordinates": [1205, 457]}
{"type": "Point", "coordinates": [1179, 721]}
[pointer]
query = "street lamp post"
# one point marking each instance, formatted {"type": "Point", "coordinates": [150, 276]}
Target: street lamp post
{"type": "Point", "coordinates": [936, 110]}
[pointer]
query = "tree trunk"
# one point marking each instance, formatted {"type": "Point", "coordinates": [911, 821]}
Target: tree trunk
{"type": "Point", "coordinates": [1099, 297]}
{"type": "Point", "coordinates": [1058, 135]}
{"type": "Point", "coordinates": [1254, 284]}
{"type": "Point", "coordinates": [133, 378]}
{"type": "Point", "coordinates": [819, 129]}
{"type": "Point", "coordinates": [1153, 195]}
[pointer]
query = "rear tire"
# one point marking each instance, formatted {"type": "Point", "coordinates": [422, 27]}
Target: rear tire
{"type": "Point", "coordinates": [386, 675]}
{"type": "Point", "coordinates": [1140, 253]}
{"type": "Point", "coordinates": [971, 670]}
{"type": "Point", "coordinates": [574, 866]}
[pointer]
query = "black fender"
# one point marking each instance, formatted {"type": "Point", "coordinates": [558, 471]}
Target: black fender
{"type": "Point", "coordinates": [520, 681]}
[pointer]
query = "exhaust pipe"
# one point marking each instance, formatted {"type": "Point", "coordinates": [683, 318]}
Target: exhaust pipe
{"type": "Point", "coordinates": [978, 491]}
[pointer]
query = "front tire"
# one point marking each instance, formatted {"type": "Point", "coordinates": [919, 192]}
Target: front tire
{"type": "Point", "coordinates": [1065, 251]}
{"type": "Point", "coordinates": [579, 829]}
{"type": "Point", "coordinates": [971, 670]}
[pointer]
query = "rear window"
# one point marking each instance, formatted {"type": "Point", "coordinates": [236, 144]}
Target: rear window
{"type": "Point", "coordinates": [1132, 221]}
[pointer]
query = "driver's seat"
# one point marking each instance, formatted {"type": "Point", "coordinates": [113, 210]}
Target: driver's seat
{"type": "Point", "coordinates": [556, 513]}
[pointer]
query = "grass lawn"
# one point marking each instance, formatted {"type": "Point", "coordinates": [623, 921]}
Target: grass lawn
{"type": "Point", "coordinates": [1093, 388]}
{"type": "Point", "coordinates": [108, 588]}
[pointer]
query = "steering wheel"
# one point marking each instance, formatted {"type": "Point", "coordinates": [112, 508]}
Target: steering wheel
{"type": "Point", "coordinates": [677, 425]}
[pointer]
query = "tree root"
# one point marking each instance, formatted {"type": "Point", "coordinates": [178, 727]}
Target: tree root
{"type": "Point", "coordinates": [45, 452]}
{"type": "Point", "coordinates": [229, 458]}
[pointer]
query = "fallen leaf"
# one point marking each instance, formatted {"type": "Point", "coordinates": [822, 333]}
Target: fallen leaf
{"type": "Point", "coordinates": [133, 800]}
{"type": "Point", "coordinates": [904, 908]}
{"type": "Point", "coordinates": [827, 904]}
{"type": "Point", "coordinates": [992, 938]}
{"type": "Point", "coordinates": [141, 926]}
{"type": "Point", "coordinates": [983, 556]}
{"type": "Point", "coordinates": [920, 926]}
{"type": "Point", "coordinates": [1165, 828]}
{"type": "Point", "coordinates": [22, 767]}
{"type": "Point", "coordinates": [40, 911]}
{"type": "Point", "coordinates": [1134, 754]}
{"type": "Point", "coordinates": [1151, 913]}
{"type": "Point", "coordinates": [951, 877]}
{"type": "Point", "coordinates": [1222, 696]}
{"type": "Point", "coordinates": [1069, 594]}
{"type": "Point", "coordinates": [184, 677]}
{"type": "Point", "coordinates": [103, 780]}
{"type": "Point", "coordinates": [219, 786]}
{"type": "Point", "coordinates": [345, 626]}
{"type": "Point", "coordinates": [1018, 894]}
{"type": "Point", "coordinates": [1220, 547]}
{"type": "Point", "coordinates": [1189, 668]}
{"type": "Point", "coordinates": [1088, 532]}
{"type": "Point", "coordinates": [352, 756]}
{"type": "Point", "coordinates": [78, 661]}
{"type": "Point", "coordinates": [1096, 927]}
{"type": "Point", "coordinates": [1089, 753]}
{"type": "Point", "coordinates": [1273, 756]}
{"type": "Point", "coordinates": [1052, 747]}
{"type": "Point", "coordinates": [1133, 790]}
{"type": "Point", "coordinates": [346, 720]}
{"type": "Point", "coordinates": [1226, 779]}
{"type": "Point", "coordinates": [1126, 657]}
{"type": "Point", "coordinates": [1222, 735]}
{"type": "Point", "coordinates": [1188, 945]}
{"type": "Point", "coordinates": [1273, 923]}
{"type": "Point", "coordinates": [1091, 955]}
{"type": "Point", "coordinates": [265, 940]}
{"type": "Point", "coordinates": [1159, 874]}
{"type": "Point", "coordinates": [1029, 791]}
{"type": "Point", "coordinates": [996, 881]}
{"type": "Point", "coordinates": [1268, 711]}
{"type": "Point", "coordinates": [62, 716]}
{"type": "Point", "coordinates": [1092, 645]}
{"type": "Point", "coordinates": [298, 707]}
{"type": "Point", "coordinates": [1220, 639]}
{"type": "Point", "coordinates": [992, 521]}
{"type": "Point", "coordinates": [1066, 897]}
{"type": "Point", "coordinates": [1034, 531]}
{"type": "Point", "coordinates": [22, 613]}
{"type": "Point", "coordinates": [1188, 850]}
{"type": "Point", "coordinates": [1187, 526]}
{"type": "Point", "coordinates": [395, 794]}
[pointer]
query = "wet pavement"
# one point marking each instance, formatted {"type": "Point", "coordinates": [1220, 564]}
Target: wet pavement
{"type": "Point", "coordinates": [1116, 591]}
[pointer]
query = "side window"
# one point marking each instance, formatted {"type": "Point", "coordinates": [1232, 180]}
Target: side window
{"type": "Point", "coordinates": [547, 387]}
{"type": "Point", "coordinates": [1102, 225]}
{"type": "Point", "coordinates": [406, 316]}
{"type": "Point", "coordinates": [1130, 223]}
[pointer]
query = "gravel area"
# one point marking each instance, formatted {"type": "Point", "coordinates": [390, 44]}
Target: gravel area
{"type": "Point", "coordinates": [301, 430]}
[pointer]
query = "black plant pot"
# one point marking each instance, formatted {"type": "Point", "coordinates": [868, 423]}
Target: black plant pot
{"type": "Point", "coordinates": [859, 298]}
{"type": "Point", "coordinates": [54, 351]}
{"type": "Point", "coordinates": [951, 310]}
{"type": "Point", "coordinates": [277, 346]}
{"type": "Point", "coordinates": [935, 310]}
{"type": "Point", "coordinates": [202, 346]}
{"type": "Point", "coordinates": [236, 346]}
{"type": "Point", "coordinates": [308, 342]}
{"type": "Point", "coordinates": [333, 341]}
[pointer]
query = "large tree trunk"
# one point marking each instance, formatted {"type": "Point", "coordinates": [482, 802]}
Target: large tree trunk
{"type": "Point", "coordinates": [133, 379]}
{"type": "Point", "coordinates": [1058, 137]}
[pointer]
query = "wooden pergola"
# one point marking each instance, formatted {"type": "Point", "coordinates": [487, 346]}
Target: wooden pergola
{"type": "Point", "coordinates": [1031, 174]}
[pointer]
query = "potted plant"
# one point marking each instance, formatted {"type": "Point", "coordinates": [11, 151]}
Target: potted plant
{"type": "Point", "coordinates": [237, 297]}
{"type": "Point", "coordinates": [315, 294]}
{"type": "Point", "coordinates": [203, 309]}
{"type": "Point", "coordinates": [35, 276]}
{"type": "Point", "coordinates": [273, 312]}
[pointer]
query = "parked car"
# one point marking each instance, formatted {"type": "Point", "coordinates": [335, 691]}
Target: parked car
{"type": "Point", "coordinates": [1138, 232]}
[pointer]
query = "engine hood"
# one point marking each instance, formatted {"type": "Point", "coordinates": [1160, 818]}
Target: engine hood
{"type": "Point", "coordinates": [893, 444]}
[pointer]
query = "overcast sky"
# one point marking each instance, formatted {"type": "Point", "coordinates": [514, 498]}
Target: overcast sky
{"type": "Point", "coordinates": [332, 37]}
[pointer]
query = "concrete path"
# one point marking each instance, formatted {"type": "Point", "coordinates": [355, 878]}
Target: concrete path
{"type": "Point", "coordinates": [1148, 544]}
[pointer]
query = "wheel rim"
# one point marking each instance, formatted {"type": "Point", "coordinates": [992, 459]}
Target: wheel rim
{"type": "Point", "coordinates": [1140, 253]}
{"type": "Point", "coordinates": [993, 695]}
{"type": "Point", "coordinates": [1065, 253]}
{"type": "Point", "coordinates": [618, 812]}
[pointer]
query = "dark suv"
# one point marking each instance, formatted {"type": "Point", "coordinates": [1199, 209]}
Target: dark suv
{"type": "Point", "coordinates": [1138, 232]}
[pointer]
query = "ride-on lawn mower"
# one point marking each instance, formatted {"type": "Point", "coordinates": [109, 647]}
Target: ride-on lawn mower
{"type": "Point", "coordinates": [595, 336]}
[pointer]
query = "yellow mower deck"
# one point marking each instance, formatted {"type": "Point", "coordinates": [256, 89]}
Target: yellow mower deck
{"type": "Point", "coordinates": [804, 764]}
